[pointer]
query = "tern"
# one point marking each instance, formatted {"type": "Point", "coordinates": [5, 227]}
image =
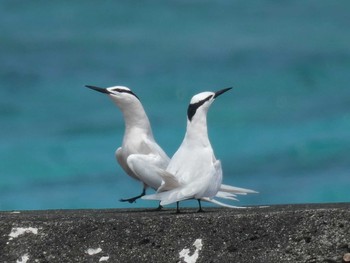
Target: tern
{"type": "Point", "coordinates": [138, 141]}
{"type": "Point", "coordinates": [140, 156]}
{"type": "Point", "coordinates": [193, 171]}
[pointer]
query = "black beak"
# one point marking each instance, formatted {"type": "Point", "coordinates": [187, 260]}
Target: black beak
{"type": "Point", "coordinates": [219, 92]}
{"type": "Point", "coordinates": [98, 89]}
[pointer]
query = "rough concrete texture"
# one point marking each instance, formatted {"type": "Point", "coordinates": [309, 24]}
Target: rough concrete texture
{"type": "Point", "coordinates": [291, 233]}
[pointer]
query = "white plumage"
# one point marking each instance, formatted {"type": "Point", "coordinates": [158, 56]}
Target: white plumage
{"type": "Point", "coordinates": [144, 160]}
{"type": "Point", "coordinates": [138, 142]}
{"type": "Point", "coordinates": [193, 171]}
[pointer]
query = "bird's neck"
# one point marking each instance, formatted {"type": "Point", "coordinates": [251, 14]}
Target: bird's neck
{"type": "Point", "coordinates": [197, 132]}
{"type": "Point", "coordinates": [135, 117]}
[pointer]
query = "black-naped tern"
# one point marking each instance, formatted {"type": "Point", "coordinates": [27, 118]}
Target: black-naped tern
{"type": "Point", "coordinates": [193, 171]}
{"type": "Point", "coordinates": [138, 142]}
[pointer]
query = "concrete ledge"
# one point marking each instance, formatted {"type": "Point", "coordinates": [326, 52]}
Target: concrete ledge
{"type": "Point", "coordinates": [290, 233]}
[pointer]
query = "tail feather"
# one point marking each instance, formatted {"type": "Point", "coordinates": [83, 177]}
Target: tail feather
{"type": "Point", "coordinates": [226, 195]}
{"type": "Point", "coordinates": [236, 190]}
{"type": "Point", "coordinates": [206, 199]}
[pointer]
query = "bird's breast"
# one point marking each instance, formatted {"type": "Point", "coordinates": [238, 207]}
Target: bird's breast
{"type": "Point", "coordinates": [189, 164]}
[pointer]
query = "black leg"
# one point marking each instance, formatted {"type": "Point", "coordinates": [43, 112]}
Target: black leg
{"type": "Point", "coordinates": [133, 199]}
{"type": "Point", "coordinates": [200, 206]}
{"type": "Point", "coordinates": [160, 207]}
{"type": "Point", "coordinates": [177, 208]}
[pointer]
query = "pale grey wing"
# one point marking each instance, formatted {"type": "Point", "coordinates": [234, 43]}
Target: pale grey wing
{"type": "Point", "coordinates": [213, 180]}
{"type": "Point", "coordinates": [171, 190]}
{"type": "Point", "coordinates": [205, 186]}
{"type": "Point", "coordinates": [176, 195]}
{"type": "Point", "coordinates": [154, 148]}
{"type": "Point", "coordinates": [169, 181]}
{"type": "Point", "coordinates": [122, 162]}
{"type": "Point", "coordinates": [145, 166]}
{"type": "Point", "coordinates": [218, 174]}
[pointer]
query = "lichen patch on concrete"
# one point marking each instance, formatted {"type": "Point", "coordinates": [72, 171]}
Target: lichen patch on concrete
{"type": "Point", "coordinates": [23, 259]}
{"type": "Point", "coordinates": [18, 231]}
{"type": "Point", "coordinates": [185, 253]}
{"type": "Point", "coordinates": [93, 251]}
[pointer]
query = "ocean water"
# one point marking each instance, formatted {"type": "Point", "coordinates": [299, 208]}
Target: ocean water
{"type": "Point", "coordinates": [284, 130]}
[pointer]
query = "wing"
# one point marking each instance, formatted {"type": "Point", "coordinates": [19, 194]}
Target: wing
{"type": "Point", "coordinates": [145, 166]}
{"type": "Point", "coordinates": [122, 162]}
{"type": "Point", "coordinates": [169, 181]}
{"type": "Point", "coordinates": [151, 147]}
{"type": "Point", "coordinates": [217, 175]}
{"type": "Point", "coordinates": [208, 184]}
{"type": "Point", "coordinates": [172, 196]}
{"type": "Point", "coordinates": [171, 190]}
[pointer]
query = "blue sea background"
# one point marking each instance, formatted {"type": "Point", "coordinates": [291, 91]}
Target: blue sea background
{"type": "Point", "coordinates": [284, 130]}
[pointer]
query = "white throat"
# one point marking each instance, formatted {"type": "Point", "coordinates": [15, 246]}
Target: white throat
{"type": "Point", "coordinates": [134, 114]}
{"type": "Point", "coordinates": [197, 130]}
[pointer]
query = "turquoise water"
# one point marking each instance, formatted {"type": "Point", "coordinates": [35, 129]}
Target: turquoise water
{"type": "Point", "coordinates": [284, 130]}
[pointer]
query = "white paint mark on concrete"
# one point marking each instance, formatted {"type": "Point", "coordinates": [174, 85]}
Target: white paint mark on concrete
{"type": "Point", "coordinates": [23, 259]}
{"type": "Point", "coordinates": [93, 251]}
{"type": "Point", "coordinates": [185, 253]}
{"type": "Point", "coordinates": [17, 231]}
{"type": "Point", "coordinates": [103, 259]}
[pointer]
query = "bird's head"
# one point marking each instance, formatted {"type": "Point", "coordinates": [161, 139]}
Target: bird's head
{"type": "Point", "coordinates": [201, 102]}
{"type": "Point", "coordinates": [119, 94]}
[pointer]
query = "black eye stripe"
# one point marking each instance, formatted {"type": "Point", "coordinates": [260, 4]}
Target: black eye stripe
{"type": "Point", "coordinates": [126, 91]}
{"type": "Point", "coordinates": [192, 108]}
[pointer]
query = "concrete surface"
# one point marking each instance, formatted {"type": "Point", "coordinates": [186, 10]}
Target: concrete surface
{"type": "Point", "coordinates": [289, 233]}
